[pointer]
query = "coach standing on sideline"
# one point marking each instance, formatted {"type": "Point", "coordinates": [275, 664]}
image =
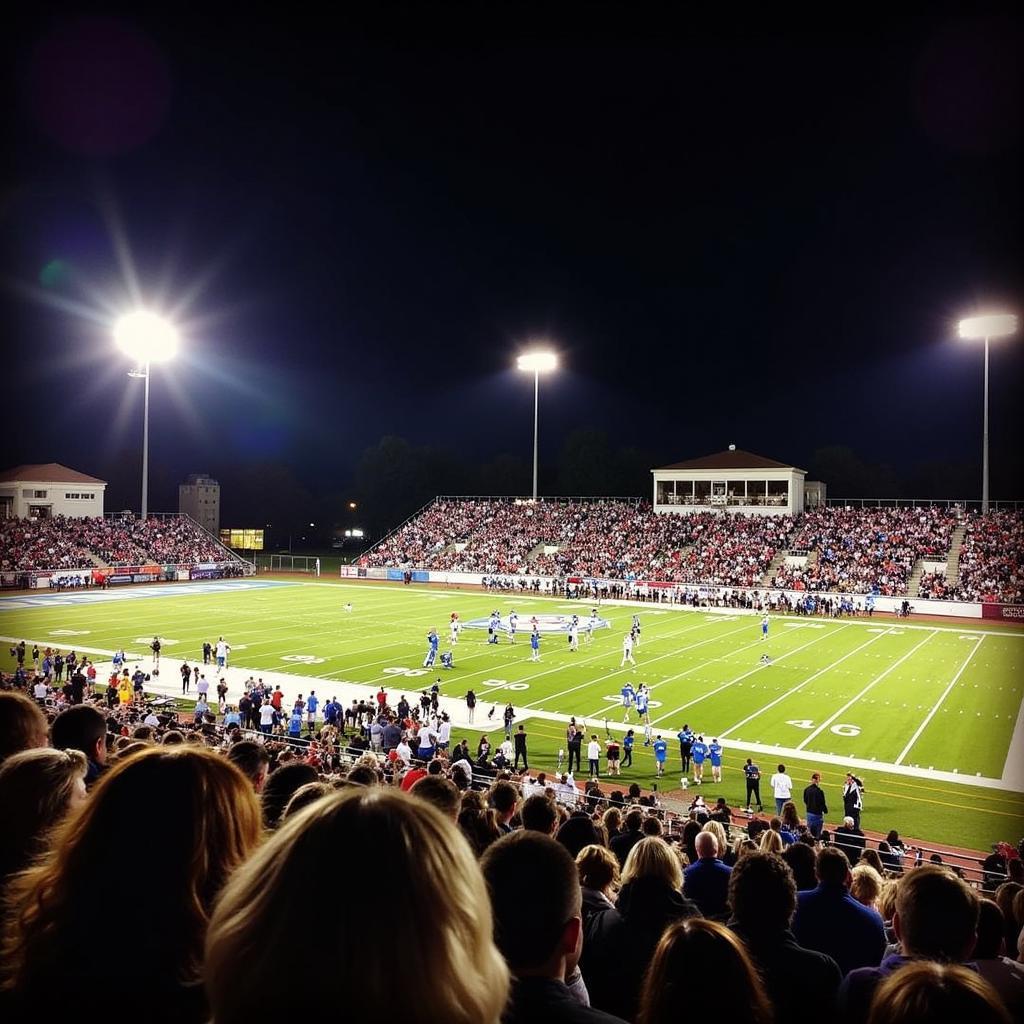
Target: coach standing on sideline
{"type": "Point", "coordinates": [852, 803]}
{"type": "Point", "coordinates": [814, 802]}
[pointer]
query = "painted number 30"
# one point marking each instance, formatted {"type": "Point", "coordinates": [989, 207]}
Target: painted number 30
{"type": "Point", "coordinates": [840, 729]}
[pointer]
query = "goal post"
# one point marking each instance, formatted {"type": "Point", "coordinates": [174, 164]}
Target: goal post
{"type": "Point", "coordinates": [289, 563]}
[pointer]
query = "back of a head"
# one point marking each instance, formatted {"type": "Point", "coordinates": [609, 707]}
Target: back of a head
{"type": "Point", "coordinates": [539, 814]}
{"type": "Point", "coordinates": [251, 759]}
{"type": "Point", "coordinates": [576, 833]}
{"type": "Point", "coordinates": [37, 789]}
{"type": "Point", "coordinates": [530, 919]}
{"type": "Point", "coordinates": [304, 796]}
{"type": "Point", "coordinates": [832, 866]}
{"type": "Point", "coordinates": [991, 931]}
{"type": "Point", "coordinates": [762, 892]}
{"type": "Point", "coordinates": [866, 884]}
{"type": "Point", "coordinates": [698, 948]}
{"type": "Point", "coordinates": [652, 858]}
{"type": "Point", "coordinates": [925, 991]}
{"type": "Point", "coordinates": [936, 915]}
{"type": "Point", "coordinates": [79, 728]}
{"type": "Point", "coordinates": [503, 797]}
{"type": "Point", "coordinates": [634, 819]}
{"type": "Point", "coordinates": [801, 860]}
{"type": "Point", "coordinates": [707, 845]}
{"type": "Point", "coordinates": [186, 814]}
{"type": "Point", "coordinates": [22, 724]}
{"type": "Point", "coordinates": [260, 930]}
{"type": "Point", "coordinates": [281, 785]}
{"type": "Point", "coordinates": [598, 867]}
{"type": "Point", "coordinates": [440, 792]}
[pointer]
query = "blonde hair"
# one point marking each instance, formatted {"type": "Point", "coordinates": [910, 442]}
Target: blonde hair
{"type": "Point", "coordinates": [743, 846]}
{"type": "Point", "coordinates": [598, 867]}
{"type": "Point", "coordinates": [653, 858]}
{"type": "Point", "coordinates": [188, 815]}
{"type": "Point", "coordinates": [259, 930]}
{"type": "Point", "coordinates": [770, 841]}
{"type": "Point", "coordinates": [886, 902]}
{"type": "Point", "coordinates": [925, 990]}
{"type": "Point", "coordinates": [717, 829]}
{"type": "Point", "coordinates": [866, 886]}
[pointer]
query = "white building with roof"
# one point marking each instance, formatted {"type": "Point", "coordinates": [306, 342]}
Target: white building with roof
{"type": "Point", "coordinates": [730, 481]}
{"type": "Point", "coordinates": [48, 489]}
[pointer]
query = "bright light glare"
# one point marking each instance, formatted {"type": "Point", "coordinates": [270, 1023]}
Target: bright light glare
{"type": "Point", "coordinates": [996, 325]}
{"type": "Point", "coordinates": [146, 337]}
{"type": "Point", "coordinates": [538, 362]}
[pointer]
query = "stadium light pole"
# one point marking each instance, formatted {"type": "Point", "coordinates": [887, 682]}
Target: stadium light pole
{"type": "Point", "coordinates": [537, 363]}
{"type": "Point", "coordinates": [147, 338]}
{"type": "Point", "coordinates": [977, 328]}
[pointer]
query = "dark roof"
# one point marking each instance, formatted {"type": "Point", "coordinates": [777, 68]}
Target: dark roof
{"type": "Point", "coordinates": [47, 472]}
{"type": "Point", "coordinates": [732, 458]}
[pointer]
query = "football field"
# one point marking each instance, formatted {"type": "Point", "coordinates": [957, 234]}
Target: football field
{"type": "Point", "coordinates": [928, 714]}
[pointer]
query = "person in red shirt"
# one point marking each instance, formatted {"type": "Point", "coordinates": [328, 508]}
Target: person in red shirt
{"type": "Point", "coordinates": [276, 697]}
{"type": "Point", "coordinates": [382, 697]}
{"type": "Point", "coordinates": [411, 777]}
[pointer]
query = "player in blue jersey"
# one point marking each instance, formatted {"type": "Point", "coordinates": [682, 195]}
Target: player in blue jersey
{"type": "Point", "coordinates": [699, 752]}
{"type": "Point", "coordinates": [432, 643]}
{"type": "Point", "coordinates": [660, 754]}
{"type": "Point", "coordinates": [643, 696]}
{"type": "Point", "coordinates": [685, 737]}
{"type": "Point", "coordinates": [447, 661]}
{"type": "Point", "coordinates": [715, 756]}
{"type": "Point", "coordinates": [764, 627]}
{"type": "Point", "coordinates": [295, 721]}
{"type": "Point", "coordinates": [628, 696]}
{"type": "Point", "coordinates": [492, 628]}
{"type": "Point", "coordinates": [535, 645]}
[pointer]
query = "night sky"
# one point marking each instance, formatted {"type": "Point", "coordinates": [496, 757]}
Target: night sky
{"type": "Point", "coordinates": [735, 233]}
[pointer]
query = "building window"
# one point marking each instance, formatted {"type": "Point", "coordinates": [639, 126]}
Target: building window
{"type": "Point", "coordinates": [778, 492]}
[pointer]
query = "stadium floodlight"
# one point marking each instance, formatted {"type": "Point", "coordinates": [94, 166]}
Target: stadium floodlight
{"type": "Point", "coordinates": [537, 363]}
{"type": "Point", "coordinates": [147, 338]}
{"type": "Point", "coordinates": [978, 328]}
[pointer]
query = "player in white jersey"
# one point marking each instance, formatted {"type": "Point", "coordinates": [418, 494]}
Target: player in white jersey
{"type": "Point", "coordinates": [643, 696]}
{"type": "Point", "coordinates": [574, 634]}
{"type": "Point", "coordinates": [635, 631]}
{"type": "Point", "coordinates": [513, 625]}
{"type": "Point", "coordinates": [627, 650]}
{"type": "Point", "coordinates": [591, 624]}
{"type": "Point", "coordinates": [453, 631]}
{"type": "Point", "coordinates": [648, 731]}
{"type": "Point", "coordinates": [348, 606]}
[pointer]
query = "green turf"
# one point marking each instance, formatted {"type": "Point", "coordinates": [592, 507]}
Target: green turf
{"type": "Point", "coordinates": [855, 688]}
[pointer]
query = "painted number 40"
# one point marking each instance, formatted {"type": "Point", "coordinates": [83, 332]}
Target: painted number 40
{"type": "Point", "coordinates": [839, 729]}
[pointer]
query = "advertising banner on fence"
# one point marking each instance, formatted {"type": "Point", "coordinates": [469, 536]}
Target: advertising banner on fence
{"type": "Point", "coordinates": [1003, 612]}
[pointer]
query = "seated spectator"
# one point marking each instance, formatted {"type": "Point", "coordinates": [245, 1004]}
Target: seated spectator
{"type": "Point", "coordinates": [281, 785]}
{"type": "Point", "coordinates": [924, 992]}
{"type": "Point", "coordinates": [1005, 894]}
{"type": "Point", "coordinates": [802, 861]}
{"type": "Point", "coordinates": [850, 840]}
{"type": "Point", "coordinates": [538, 927]}
{"type": "Point", "coordinates": [936, 919]}
{"type": "Point", "coordinates": [623, 843]}
{"type": "Point", "coordinates": [598, 869]}
{"type": "Point", "coordinates": [539, 814]}
{"type": "Point", "coordinates": [304, 796]}
{"type": "Point", "coordinates": [619, 942]}
{"type": "Point", "coordinates": [762, 897]}
{"type": "Point", "coordinates": [261, 932]}
{"type": "Point", "coordinates": [708, 951]}
{"type": "Point", "coordinates": [440, 792]}
{"type": "Point", "coordinates": [83, 728]}
{"type": "Point", "coordinates": [866, 885]}
{"type": "Point", "coordinates": [831, 921]}
{"type": "Point", "coordinates": [576, 833]}
{"type": "Point", "coordinates": [253, 760]}
{"type": "Point", "coordinates": [1004, 974]}
{"type": "Point", "coordinates": [22, 724]}
{"type": "Point", "coordinates": [707, 881]}
{"type": "Point", "coordinates": [186, 818]}
{"type": "Point", "coordinates": [38, 789]}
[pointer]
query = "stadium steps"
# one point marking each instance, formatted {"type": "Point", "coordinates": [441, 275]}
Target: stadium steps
{"type": "Point", "coordinates": [97, 561]}
{"type": "Point", "coordinates": [953, 560]}
{"type": "Point", "coordinates": [775, 565]}
{"type": "Point", "coordinates": [914, 582]}
{"type": "Point", "coordinates": [536, 551]}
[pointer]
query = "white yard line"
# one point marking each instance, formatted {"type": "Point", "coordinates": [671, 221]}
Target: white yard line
{"type": "Point", "coordinates": [939, 702]}
{"type": "Point", "coordinates": [731, 682]}
{"type": "Point", "coordinates": [874, 682]}
{"type": "Point", "coordinates": [801, 685]}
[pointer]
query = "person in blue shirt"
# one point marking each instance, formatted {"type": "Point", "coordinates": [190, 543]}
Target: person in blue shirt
{"type": "Point", "coordinates": [764, 627]}
{"type": "Point", "coordinates": [627, 745]}
{"type": "Point", "coordinates": [628, 696]}
{"type": "Point", "coordinates": [831, 921]}
{"type": "Point", "coordinates": [312, 703]}
{"type": "Point", "coordinates": [432, 642]}
{"type": "Point", "coordinates": [715, 754]}
{"type": "Point", "coordinates": [660, 754]}
{"type": "Point", "coordinates": [535, 645]}
{"type": "Point", "coordinates": [642, 697]}
{"type": "Point", "coordinates": [700, 753]}
{"type": "Point", "coordinates": [232, 718]}
{"type": "Point", "coordinates": [685, 737]}
{"type": "Point", "coordinates": [446, 660]}
{"type": "Point", "coordinates": [295, 722]}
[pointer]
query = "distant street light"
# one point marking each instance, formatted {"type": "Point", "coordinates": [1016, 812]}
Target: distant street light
{"type": "Point", "coordinates": [147, 338]}
{"type": "Point", "coordinates": [976, 328]}
{"type": "Point", "coordinates": [537, 363]}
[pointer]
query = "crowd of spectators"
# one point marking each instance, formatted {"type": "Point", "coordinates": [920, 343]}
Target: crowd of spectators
{"type": "Point", "coordinates": [527, 898]}
{"type": "Point", "coordinates": [992, 558]}
{"type": "Point", "coordinates": [866, 550]}
{"type": "Point", "coordinates": [77, 543]}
